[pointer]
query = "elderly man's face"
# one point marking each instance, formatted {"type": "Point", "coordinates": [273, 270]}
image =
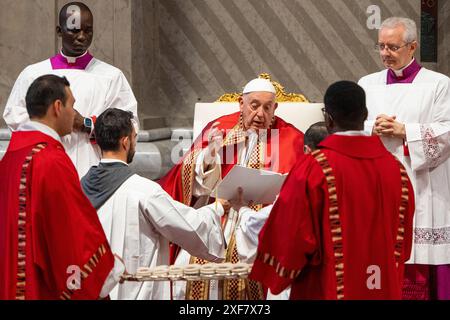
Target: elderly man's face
{"type": "Point", "coordinates": [75, 42]}
{"type": "Point", "coordinates": [395, 38]}
{"type": "Point", "coordinates": [258, 109]}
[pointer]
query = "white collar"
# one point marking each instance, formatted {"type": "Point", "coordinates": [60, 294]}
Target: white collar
{"type": "Point", "coordinates": [37, 126]}
{"type": "Point", "coordinates": [353, 133]}
{"type": "Point", "coordinates": [112, 161]}
{"type": "Point", "coordinates": [72, 59]}
{"type": "Point", "coordinates": [399, 73]}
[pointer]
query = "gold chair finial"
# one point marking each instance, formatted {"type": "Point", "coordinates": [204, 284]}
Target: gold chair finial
{"type": "Point", "coordinates": [281, 94]}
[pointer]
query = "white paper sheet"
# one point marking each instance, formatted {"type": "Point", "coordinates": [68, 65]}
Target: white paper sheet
{"type": "Point", "coordinates": [260, 186]}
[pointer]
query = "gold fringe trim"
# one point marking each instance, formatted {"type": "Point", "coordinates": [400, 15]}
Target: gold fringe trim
{"type": "Point", "coordinates": [21, 224]}
{"type": "Point", "coordinates": [86, 270]}
{"type": "Point", "coordinates": [402, 209]}
{"type": "Point", "coordinates": [187, 175]}
{"type": "Point", "coordinates": [335, 224]}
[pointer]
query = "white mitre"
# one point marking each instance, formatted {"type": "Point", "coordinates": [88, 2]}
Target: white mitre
{"type": "Point", "coordinates": [259, 85]}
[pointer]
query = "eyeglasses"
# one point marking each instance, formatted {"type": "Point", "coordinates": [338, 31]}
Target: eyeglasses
{"type": "Point", "coordinates": [391, 48]}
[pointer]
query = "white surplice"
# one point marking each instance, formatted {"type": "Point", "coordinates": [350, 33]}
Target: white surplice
{"type": "Point", "coordinates": [99, 87]}
{"type": "Point", "coordinates": [140, 219]}
{"type": "Point", "coordinates": [424, 107]}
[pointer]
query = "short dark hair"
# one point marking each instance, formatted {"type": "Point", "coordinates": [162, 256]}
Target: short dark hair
{"type": "Point", "coordinates": [315, 134]}
{"type": "Point", "coordinates": [111, 126]}
{"type": "Point", "coordinates": [44, 91]}
{"type": "Point", "coordinates": [63, 11]}
{"type": "Point", "coordinates": [345, 101]}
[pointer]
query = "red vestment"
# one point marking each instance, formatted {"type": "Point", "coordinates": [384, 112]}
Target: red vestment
{"type": "Point", "coordinates": [342, 225]}
{"type": "Point", "coordinates": [49, 231]}
{"type": "Point", "coordinates": [280, 157]}
{"type": "Point", "coordinates": [283, 147]}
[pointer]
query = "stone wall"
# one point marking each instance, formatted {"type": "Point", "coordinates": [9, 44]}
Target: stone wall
{"type": "Point", "coordinates": [179, 52]}
{"type": "Point", "coordinates": [121, 37]}
{"type": "Point", "coordinates": [212, 47]}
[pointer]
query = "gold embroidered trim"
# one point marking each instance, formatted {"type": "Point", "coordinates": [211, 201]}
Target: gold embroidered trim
{"type": "Point", "coordinates": [86, 270]}
{"type": "Point", "coordinates": [21, 224]}
{"type": "Point", "coordinates": [402, 211]}
{"type": "Point", "coordinates": [281, 271]}
{"type": "Point", "coordinates": [187, 175]}
{"type": "Point", "coordinates": [197, 290]}
{"type": "Point", "coordinates": [335, 224]}
{"type": "Point", "coordinates": [235, 135]}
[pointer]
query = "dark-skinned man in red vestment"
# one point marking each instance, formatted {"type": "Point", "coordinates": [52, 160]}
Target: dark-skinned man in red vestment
{"type": "Point", "coordinates": [51, 241]}
{"type": "Point", "coordinates": [253, 137]}
{"type": "Point", "coordinates": [341, 227]}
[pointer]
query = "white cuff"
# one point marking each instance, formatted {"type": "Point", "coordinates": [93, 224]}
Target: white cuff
{"type": "Point", "coordinates": [220, 211]}
{"type": "Point", "coordinates": [368, 126]}
{"type": "Point", "coordinates": [413, 133]}
{"type": "Point", "coordinates": [200, 170]}
{"type": "Point", "coordinates": [113, 278]}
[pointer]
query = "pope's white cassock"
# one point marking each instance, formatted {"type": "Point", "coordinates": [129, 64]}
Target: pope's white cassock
{"type": "Point", "coordinates": [424, 107]}
{"type": "Point", "coordinates": [96, 86]}
{"type": "Point", "coordinates": [140, 219]}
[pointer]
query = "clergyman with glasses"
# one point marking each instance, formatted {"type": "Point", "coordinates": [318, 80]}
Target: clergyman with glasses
{"type": "Point", "coordinates": [409, 108]}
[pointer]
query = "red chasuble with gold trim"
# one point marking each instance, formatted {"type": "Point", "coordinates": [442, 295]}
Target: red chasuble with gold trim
{"type": "Point", "coordinates": [280, 154]}
{"type": "Point", "coordinates": [342, 225]}
{"type": "Point", "coordinates": [283, 147]}
{"type": "Point", "coordinates": [277, 150]}
{"type": "Point", "coordinates": [49, 231]}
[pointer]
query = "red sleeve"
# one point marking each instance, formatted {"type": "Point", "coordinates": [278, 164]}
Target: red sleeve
{"type": "Point", "coordinates": [171, 182]}
{"type": "Point", "coordinates": [67, 231]}
{"type": "Point", "coordinates": [289, 240]}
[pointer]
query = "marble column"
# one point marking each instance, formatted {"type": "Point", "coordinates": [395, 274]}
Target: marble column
{"type": "Point", "coordinates": [145, 61]}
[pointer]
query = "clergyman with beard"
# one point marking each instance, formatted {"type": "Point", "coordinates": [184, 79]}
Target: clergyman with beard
{"type": "Point", "coordinates": [139, 218]}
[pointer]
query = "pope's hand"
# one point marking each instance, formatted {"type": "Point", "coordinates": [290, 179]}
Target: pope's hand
{"type": "Point", "coordinates": [125, 273]}
{"type": "Point", "coordinates": [239, 202]}
{"type": "Point", "coordinates": [225, 204]}
{"type": "Point", "coordinates": [215, 139]}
